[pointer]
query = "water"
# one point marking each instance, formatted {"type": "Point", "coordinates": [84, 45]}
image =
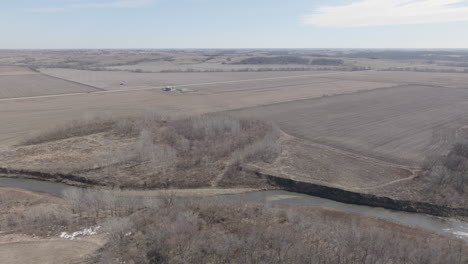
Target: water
{"type": "Point", "coordinates": [441, 225]}
{"type": "Point", "coordinates": [55, 188]}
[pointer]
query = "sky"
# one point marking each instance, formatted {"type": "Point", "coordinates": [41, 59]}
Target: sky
{"type": "Point", "coordinates": [96, 24]}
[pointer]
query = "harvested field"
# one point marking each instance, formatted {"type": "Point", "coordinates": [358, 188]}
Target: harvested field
{"type": "Point", "coordinates": [26, 116]}
{"type": "Point", "coordinates": [22, 82]}
{"type": "Point", "coordinates": [110, 80]}
{"type": "Point", "coordinates": [402, 125]}
{"type": "Point", "coordinates": [15, 71]}
{"type": "Point", "coordinates": [449, 80]}
{"type": "Point", "coordinates": [314, 86]}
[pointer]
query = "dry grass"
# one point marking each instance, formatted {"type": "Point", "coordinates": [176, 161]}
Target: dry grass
{"type": "Point", "coordinates": [308, 162]}
{"type": "Point", "coordinates": [32, 250]}
{"type": "Point", "coordinates": [31, 223]}
{"type": "Point", "coordinates": [29, 212]}
{"type": "Point", "coordinates": [148, 150]}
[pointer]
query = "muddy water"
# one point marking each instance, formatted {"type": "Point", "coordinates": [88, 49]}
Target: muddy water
{"type": "Point", "coordinates": [440, 225]}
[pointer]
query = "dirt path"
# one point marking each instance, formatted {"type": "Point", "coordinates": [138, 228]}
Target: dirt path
{"type": "Point", "coordinates": [307, 161]}
{"type": "Point", "coordinates": [412, 177]}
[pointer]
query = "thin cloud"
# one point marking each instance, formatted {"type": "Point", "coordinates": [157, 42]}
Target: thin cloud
{"type": "Point", "coordinates": [389, 12]}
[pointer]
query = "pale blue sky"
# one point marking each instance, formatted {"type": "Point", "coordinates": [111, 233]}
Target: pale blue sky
{"type": "Point", "coordinates": [234, 24]}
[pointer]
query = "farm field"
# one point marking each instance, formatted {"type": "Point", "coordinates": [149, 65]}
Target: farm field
{"type": "Point", "coordinates": [110, 80]}
{"type": "Point", "coordinates": [403, 124]}
{"type": "Point", "coordinates": [14, 70]}
{"type": "Point", "coordinates": [448, 80]}
{"type": "Point", "coordinates": [30, 115]}
{"type": "Point", "coordinates": [22, 82]}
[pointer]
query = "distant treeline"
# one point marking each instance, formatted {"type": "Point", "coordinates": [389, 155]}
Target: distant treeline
{"type": "Point", "coordinates": [327, 62]}
{"type": "Point", "coordinates": [291, 60]}
{"type": "Point", "coordinates": [275, 60]}
{"type": "Point", "coordinates": [462, 64]}
{"type": "Point", "coordinates": [457, 56]}
{"type": "Point", "coordinates": [330, 68]}
{"type": "Point", "coordinates": [418, 69]}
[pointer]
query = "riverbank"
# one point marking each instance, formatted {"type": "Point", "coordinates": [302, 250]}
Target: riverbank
{"type": "Point", "coordinates": [445, 226]}
{"type": "Point", "coordinates": [276, 217]}
{"type": "Point", "coordinates": [37, 184]}
{"type": "Point", "coordinates": [276, 182]}
{"type": "Point", "coordinates": [357, 198]}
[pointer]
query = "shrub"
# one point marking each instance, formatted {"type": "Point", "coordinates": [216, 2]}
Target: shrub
{"type": "Point", "coordinates": [446, 180]}
{"type": "Point", "coordinates": [157, 152]}
{"type": "Point", "coordinates": [219, 232]}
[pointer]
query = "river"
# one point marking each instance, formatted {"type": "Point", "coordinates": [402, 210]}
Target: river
{"type": "Point", "coordinates": [441, 225]}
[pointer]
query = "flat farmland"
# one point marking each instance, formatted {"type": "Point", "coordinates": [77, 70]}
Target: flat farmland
{"type": "Point", "coordinates": [448, 80]}
{"type": "Point", "coordinates": [23, 82]}
{"type": "Point", "coordinates": [33, 114]}
{"type": "Point", "coordinates": [110, 80]}
{"type": "Point", "coordinates": [15, 70]}
{"type": "Point", "coordinates": [402, 124]}
{"type": "Point", "coordinates": [281, 88]}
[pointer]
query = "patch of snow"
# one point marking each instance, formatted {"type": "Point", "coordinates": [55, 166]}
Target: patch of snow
{"type": "Point", "coordinates": [85, 232]}
{"type": "Point", "coordinates": [460, 234]}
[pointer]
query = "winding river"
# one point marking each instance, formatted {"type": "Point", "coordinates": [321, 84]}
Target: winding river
{"type": "Point", "coordinates": [441, 225]}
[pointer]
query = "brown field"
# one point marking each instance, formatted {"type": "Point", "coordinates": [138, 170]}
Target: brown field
{"type": "Point", "coordinates": [403, 124]}
{"type": "Point", "coordinates": [22, 82]}
{"type": "Point", "coordinates": [448, 80]}
{"type": "Point", "coordinates": [14, 70]}
{"type": "Point", "coordinates": [110, 80]}
{"type": "Point", "coordinates": [29, 115]}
